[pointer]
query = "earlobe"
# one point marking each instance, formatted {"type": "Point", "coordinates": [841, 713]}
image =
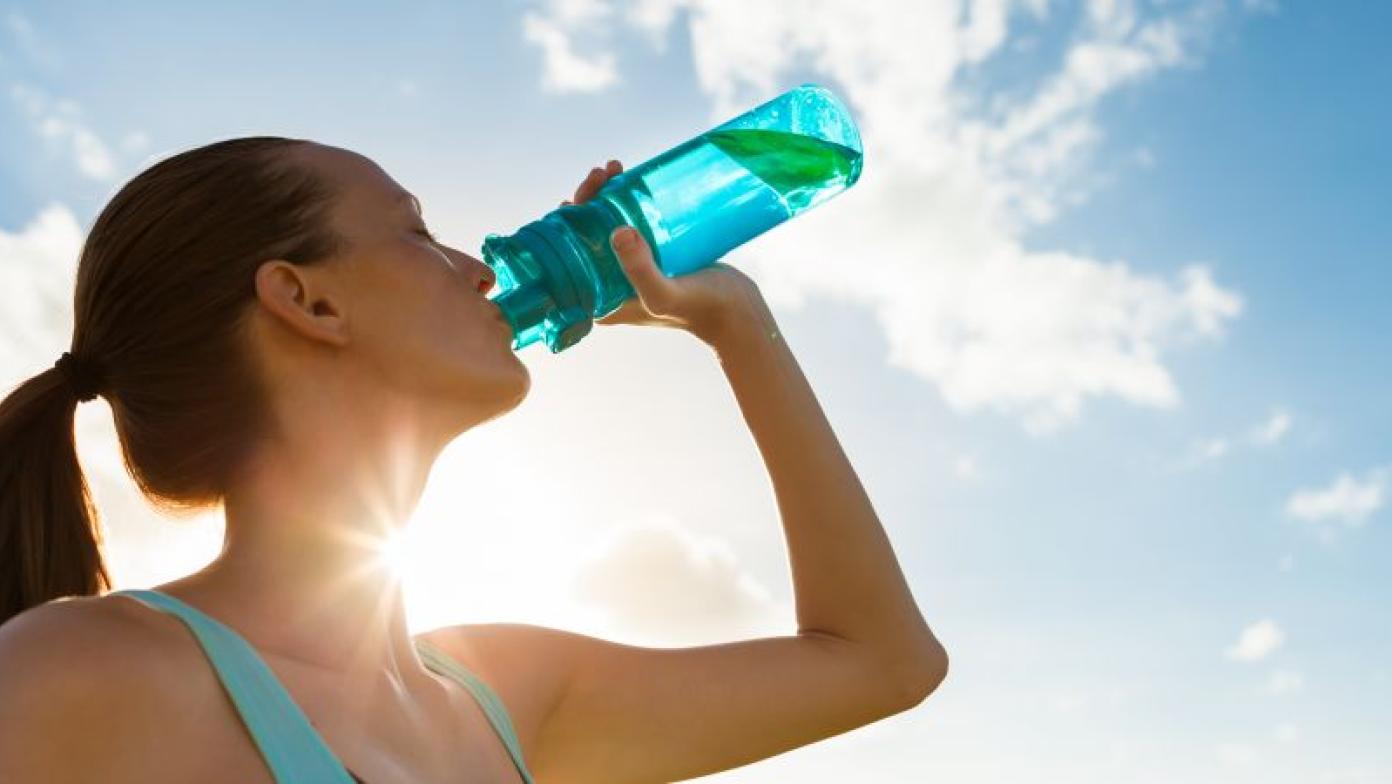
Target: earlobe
{"type": "Point", "coordinates": [300, 301]}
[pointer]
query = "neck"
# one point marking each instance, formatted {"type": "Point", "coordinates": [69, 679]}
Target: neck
{"type": "Point", "coordinates": [301, 570]}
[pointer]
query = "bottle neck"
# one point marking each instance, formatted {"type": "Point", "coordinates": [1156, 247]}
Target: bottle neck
{"type": "Point", "coordinates": [547, 293]}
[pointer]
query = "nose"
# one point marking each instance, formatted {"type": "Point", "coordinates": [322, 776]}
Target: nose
{"type": "Point", "coordinates": [486, 276]}
{"type": "Point", "coordinates": [482, 276]}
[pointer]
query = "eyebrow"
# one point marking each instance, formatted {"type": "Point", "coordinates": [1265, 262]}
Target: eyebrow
{"type": "Point", "coordinates": [411, 199]}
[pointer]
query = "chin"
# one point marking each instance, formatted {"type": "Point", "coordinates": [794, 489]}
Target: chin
{"type": "Point", "coordinates": [522, 387]}
{"type": "Point", "coordinates": [498, 394]}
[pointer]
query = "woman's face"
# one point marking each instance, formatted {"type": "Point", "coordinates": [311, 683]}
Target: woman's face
{"type": "Point", "coordinates": [418, 314]}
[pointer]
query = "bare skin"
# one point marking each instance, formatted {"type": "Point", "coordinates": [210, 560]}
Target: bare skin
{"type": "Point", "coordinates": [376, 362]}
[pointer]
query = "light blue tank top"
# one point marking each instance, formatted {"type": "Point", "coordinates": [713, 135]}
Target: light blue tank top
{"type": "Point", "coordinates": [293, 749]}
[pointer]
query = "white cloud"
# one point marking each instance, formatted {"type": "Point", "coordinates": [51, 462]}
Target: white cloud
{"type": "Point", "coordinates": [60, 122]}
{"type": "Point", "coordinates": [1287, 732]}
{"type": "Point", "coordinates": [954, 179]}
{"type": "Point", "coordinates": [1117, 52]}
{"type": "Point", "coordinates": [1257, 641]}
{"type": "Point", "coordinates": [983, 29]}
{"type": "Point", "coordinates": [1347, 499]}
{"type": "Point", "coordinates": [666, 582]}
{"type": "Point", "coordinates": [1266, 433]}
{"type": "Point", "coordinates": [654, 18]}
{"type": "Point", "coordinates": [38, 266]}
{"type": "Point", "coordinates": [554, 31]}
{"type": "Point", "coordinates": [38, 269]}
{"type": "Point", "coordinates": [1273, 429]}
{"type": "Point", "coordinates": [1285, 682]}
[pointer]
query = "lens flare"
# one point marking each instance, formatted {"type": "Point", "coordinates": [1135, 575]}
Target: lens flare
{"type": "Point", "coordinates": [394, 553]}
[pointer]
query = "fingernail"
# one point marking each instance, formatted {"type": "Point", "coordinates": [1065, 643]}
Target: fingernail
{"type": "Point", "coordinates": [624, 237]}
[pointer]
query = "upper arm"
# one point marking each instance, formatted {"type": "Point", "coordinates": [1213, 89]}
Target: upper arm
{"type": "Point", "coordinates": [619, 713]}
{"type": "Point", "coordinates": [56, 695]}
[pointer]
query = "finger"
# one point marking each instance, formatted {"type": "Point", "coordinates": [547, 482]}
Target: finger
{"type": "Point", "coordinates": [596, 179]}
{"type": "Point", "coordinates": [626, 313]}
{"type": "Point", "coordinates": [652, 287]}
{"type": "Point", "coordinates": [590, 185]}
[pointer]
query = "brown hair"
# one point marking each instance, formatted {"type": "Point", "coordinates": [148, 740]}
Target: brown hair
{"type": "Point", "coordinates": [164, 284]}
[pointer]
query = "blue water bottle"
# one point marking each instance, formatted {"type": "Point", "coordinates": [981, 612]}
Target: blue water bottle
{"type": "Point", "coordinates": [693, 204]}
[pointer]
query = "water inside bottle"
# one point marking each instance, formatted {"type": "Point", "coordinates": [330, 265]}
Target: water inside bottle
{"type": "Point", "coordinates": [704, 198]}
{"type": "Point", "coordinates": [804, 170]}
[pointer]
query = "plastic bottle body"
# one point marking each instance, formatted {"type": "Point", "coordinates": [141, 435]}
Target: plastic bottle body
{"type": "Point", "coordinates": [693, 204]}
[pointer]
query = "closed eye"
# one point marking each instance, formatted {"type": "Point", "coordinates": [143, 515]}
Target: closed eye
{"type": "Point", "coordinates": [424, 232]}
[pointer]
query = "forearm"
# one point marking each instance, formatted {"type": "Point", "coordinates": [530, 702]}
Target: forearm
{"type": "Point", "coordinates": [846, 579]}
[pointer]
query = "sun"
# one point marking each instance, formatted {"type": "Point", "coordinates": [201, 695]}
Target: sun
{"type": "Point", "coordinates": [394, 553]}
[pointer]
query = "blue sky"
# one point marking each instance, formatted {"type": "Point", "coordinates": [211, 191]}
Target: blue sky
{"type": "Point", "coordinates": [1102, 328]}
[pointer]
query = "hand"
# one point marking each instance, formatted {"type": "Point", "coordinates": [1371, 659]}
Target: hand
{"type": "Point", "coordinates": [710, 303]}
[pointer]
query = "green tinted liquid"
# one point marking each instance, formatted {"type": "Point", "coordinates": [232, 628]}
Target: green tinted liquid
{"type": "Point", "coordinates": [798, 167]}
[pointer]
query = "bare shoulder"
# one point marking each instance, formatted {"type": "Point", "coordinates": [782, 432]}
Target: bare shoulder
{"type": "Point", "coordinates": [77, 672]}
{"type": "Point", "coordinates": [66, 639]}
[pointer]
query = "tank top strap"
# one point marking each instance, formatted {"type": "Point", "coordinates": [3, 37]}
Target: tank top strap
{"type": "Point", "coordinates": [292, 748]}
{"type": "Point", "coordinates": [441, 662]}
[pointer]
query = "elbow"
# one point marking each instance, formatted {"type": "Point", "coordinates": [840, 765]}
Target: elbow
{"type": "Point", "coordinates": [928, 672]}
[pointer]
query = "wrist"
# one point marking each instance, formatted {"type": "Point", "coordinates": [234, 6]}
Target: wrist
{"type": "Point", "coordinates": [742, 328]}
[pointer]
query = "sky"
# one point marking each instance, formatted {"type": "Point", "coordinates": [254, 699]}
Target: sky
{"type": "Point", "coordinates": [1102, 328]}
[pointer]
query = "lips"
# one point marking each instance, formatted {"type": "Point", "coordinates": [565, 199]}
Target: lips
{"type": "Point", "coordinates": [501, 319]}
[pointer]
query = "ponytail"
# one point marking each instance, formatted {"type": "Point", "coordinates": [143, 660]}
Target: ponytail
{"type": "Point", "coordinates": [50, 540]}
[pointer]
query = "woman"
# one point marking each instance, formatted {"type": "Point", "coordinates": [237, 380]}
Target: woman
{"type": "Point", "coordinates": [278, 334]}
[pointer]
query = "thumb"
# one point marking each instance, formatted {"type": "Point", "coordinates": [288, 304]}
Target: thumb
{"type": "Point", "coordinates": [654, 289]}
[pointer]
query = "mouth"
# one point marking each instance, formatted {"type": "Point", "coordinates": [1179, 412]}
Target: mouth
{"type": "Point", "coordinates": [501, 319]}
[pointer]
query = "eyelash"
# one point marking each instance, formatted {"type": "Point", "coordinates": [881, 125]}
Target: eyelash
{"type": "Point", "coordinates": [426, 233]}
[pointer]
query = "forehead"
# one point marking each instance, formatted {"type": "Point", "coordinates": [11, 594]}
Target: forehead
{"type": "Point", "coordinates": [363, 184]}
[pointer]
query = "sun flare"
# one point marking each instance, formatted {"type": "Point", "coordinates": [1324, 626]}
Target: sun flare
{"type": "Point", "coordinates": [394, 553]}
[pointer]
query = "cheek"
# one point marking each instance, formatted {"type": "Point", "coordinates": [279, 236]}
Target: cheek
{"type": "Point", "coordinates": [421, 320]}
{"type": "Point", "coordinates": [411, 304]}
{"type": "Point", "coordinates": [445, 319]}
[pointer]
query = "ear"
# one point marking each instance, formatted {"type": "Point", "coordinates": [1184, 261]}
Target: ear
{"type": "Point", "coordinates": [302, 298]}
